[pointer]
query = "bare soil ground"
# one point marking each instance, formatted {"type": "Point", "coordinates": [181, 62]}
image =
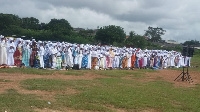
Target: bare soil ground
{"type": "Point", "coordinates": [170, 75]}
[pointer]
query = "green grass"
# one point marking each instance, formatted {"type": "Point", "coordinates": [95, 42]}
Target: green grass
{"type": "Point", "coordinates": [132, 95]}
{"type": "Point", "coordinates": [99, 94]}
{"type": "Point", "coordinates": [195, 61]}
{"type": "Point", "coordinates": [5, 80]}
{"type": "Point", "coordinates": [44, 84]}
{"type": "Point", "coordinates": [123, 73]}
{"type": "Point", "coordinates": [12, 101]}
{"type": "Point", "coordinates": [28, 71]}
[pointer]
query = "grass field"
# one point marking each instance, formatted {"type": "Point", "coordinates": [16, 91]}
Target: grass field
{"type": "Point", "coordinates": [111, 91]}
{"type": "Point", "coordinates": [28, 71]}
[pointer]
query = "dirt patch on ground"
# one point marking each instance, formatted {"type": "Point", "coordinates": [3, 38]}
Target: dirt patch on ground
{"type": "Point", "coordinates": [171, 75]}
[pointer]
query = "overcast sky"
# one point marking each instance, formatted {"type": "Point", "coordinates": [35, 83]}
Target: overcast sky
{"type": "Point", "coordinates": [180, 18]}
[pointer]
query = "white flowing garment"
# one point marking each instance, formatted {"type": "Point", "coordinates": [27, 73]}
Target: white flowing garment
{"type": "Point", "coordinates": [10, 54]}
{"type": "Point", "coordinates": [41, 54]}
{"type": "Point", "coordinates": [145, 60]}
{"type": "Point", "coordinates": [80, 56]}
{"type": "Point", "coordinates": [3, 53]}
{"type": "Point", "coordinates": [69, 58]}
{"type": "Point", "coordinates": [89, 60]}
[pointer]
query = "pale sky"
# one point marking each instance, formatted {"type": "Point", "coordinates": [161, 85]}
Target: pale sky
{"type": "Point", "coordinates": [180, 18]}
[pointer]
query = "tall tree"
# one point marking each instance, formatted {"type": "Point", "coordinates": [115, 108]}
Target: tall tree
{"type": "Point", "coordinates": [30, 23]}
{"type": "Point", "coordinates": [154, 33]}
{"type": "Point", "coordinates": [135, 40]}
{"type": "Point", "coordinates": [107, 35]}
{"type": "Point", "coordinates": [59, 25]}
{"type": "Point", "coordinates": [8, 20]}
{"type": "Point", "coordinates": [61, 29]}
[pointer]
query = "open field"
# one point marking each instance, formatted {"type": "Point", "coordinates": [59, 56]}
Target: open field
{"type": "Point", "coordinates": [27, 90]}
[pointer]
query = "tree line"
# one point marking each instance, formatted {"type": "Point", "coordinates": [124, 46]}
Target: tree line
{"type": "Point", "coordinates": [61, 30]}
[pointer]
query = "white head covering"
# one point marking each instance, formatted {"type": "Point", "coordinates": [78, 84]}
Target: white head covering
{"type": "Point", "coordinates": [9, 40]}
{"type": "Point", "coordinates": [1, 36]}
{"type": "Point", "coordinates": [17, 41]}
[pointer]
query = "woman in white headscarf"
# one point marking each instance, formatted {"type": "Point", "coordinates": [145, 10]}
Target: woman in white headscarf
{"type": "Point", "coordinates": [3, 51]}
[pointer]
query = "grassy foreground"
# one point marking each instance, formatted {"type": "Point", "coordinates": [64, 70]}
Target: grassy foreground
{"type": "Point", "coordinates": [103, 93]}
{"type": "Point", "coordinates": [111, 93]}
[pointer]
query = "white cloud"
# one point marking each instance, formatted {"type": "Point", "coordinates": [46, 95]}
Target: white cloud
{"type": "Point", "coordinates": [179, 18]}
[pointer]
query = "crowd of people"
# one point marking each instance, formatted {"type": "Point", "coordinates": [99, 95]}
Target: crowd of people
{"type": "Point", "coordinates": [60, 55]}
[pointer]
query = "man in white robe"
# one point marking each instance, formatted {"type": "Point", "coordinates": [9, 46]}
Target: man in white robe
{"type": "Point", "coordinates": [10, 52]}
{"type": "Point", "coordinates": [164, 61]}
{"type": "Point", "coordinates": [116, 61]}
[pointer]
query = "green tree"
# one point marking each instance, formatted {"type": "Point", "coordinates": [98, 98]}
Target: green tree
{"type": "Point", "coordinates": [7, 21]}
{"type": "Point", "coordinates": [191, 43]}
{"type": "Point", "coordinates": [108, 35]}
{"type": "Point", "coordinates": [60, 25]}
{"type": "Point", "coordinates": [61, 29]}
{"type": "Point", "coordinates": [154, 33]}
{"type": "Point", "coordinates": [30, 23]}
{"type": "Point", "coordinates": [135, 40]}
{"type": "Point", "coordinates": [131, 39]}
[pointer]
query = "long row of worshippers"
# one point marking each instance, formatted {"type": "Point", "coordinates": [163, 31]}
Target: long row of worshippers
{"type": "Point", "coordinates": [59, 55]}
